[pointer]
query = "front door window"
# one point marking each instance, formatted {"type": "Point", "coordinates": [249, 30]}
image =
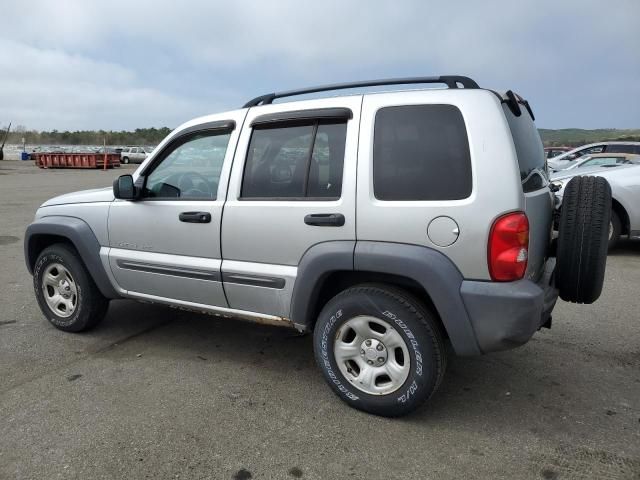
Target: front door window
{"type": "Point", "coordinates": [190, 169]}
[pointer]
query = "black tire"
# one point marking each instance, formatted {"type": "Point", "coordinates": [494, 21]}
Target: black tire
{"type": "Point", "coordinates": [415, 324]}
{"type": "Point", "coordinates": [125, 160]}
{"type": "Point", "coordinates": [615, 230]}
{"type": "Point", "coordinates": [583, 239]}
{"type": "Point", "coordinates": [90, 305]}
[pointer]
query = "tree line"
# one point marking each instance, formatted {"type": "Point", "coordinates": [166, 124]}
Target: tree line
{"type": "Point", "coordinates": [575, 137]}
{"type": "Point", "coordinates": [570, 137]}
{"type": "Point", "coordinates": [139, 136]}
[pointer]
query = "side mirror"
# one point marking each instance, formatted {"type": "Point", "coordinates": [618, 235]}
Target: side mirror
{"type": "Point", "coordinates": [123, 188]}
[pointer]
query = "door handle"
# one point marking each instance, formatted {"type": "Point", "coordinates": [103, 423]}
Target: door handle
{"type": "Point", "coordinates": [195, 217]}
{"type": "Point", "coordinates": [324, 219]}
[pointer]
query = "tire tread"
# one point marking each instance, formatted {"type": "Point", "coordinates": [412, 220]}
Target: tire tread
{"type": "Point", "coordinates": [425, 318]}
{"type": "Point", "coordinates": [94, 306]}
{"type": "Point", "coordinates": [583, 239]}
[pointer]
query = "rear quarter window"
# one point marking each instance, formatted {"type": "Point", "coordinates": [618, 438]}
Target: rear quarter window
{"type": "Point", "coordinates": [529, 150]}
{"type": "Point", "coordinates": [421, 152]}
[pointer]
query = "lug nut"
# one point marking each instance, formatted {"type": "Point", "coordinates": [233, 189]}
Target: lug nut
{"type": "Point", "coordinates": [370, 362]}
{"type": "Point", "coordinates": [368, 342]}
{"type": "Point", "coordinates": [379, 347]}
{"type": "Point", "coordinates": [380, 359]}
{"type": "Point", "coordinates": [361, 352]}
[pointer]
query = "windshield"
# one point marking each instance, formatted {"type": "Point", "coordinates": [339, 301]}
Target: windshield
{"type": "Point", "coordinates": [567, 165]}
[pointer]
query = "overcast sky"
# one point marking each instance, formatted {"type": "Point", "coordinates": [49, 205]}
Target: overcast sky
{"type": "Point", "coordinates": [141, 63]}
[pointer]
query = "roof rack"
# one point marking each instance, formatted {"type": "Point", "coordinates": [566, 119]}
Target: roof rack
{"type": "Point", "coordinates": [452, 81]}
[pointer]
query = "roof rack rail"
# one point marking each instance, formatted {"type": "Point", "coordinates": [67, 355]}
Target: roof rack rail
{"type": "Point", "coordinates": [451, 81]}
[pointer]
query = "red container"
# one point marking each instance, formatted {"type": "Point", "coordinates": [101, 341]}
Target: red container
{"type": "Point", "coordinates": [77, 160]}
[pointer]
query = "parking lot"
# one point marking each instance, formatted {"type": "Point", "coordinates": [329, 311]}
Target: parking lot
{"type": "Point", "coordinates": [155, 392]}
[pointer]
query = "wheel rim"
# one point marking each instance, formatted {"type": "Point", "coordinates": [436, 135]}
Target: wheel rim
{"type": "Point", "coordinates": [372, 355]}
{"type": "Point", "coordinates": [60, 290]}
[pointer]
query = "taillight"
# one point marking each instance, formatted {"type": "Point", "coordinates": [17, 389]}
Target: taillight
{"type": "Point", "coordinates": [509, 247]}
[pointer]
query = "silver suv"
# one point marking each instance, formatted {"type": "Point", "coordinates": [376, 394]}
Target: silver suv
{"type": "Point", "coordinates": [385, 223]}
{"type": "Point", "coordinates": [133, 155]}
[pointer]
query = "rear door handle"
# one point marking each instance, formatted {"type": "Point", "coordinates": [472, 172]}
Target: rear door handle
{"type": "Point", "coordinates": [324, 219]}
{"type": "Point", "coordinates": [195, 217]}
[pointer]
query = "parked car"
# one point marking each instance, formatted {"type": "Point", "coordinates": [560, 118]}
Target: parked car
{"type": "Point", "coordinates": [550, 152]}
{"type": "Point", "coordinates": [625, 187]}
{"type": "Point", "coordinates": [374, 221]}
{"type": "Point", "coordinates": [557, 162]}
{"type": "Point", "coordinates": [603, 160]}
{"type": "Point", "coordinates": [133, 155]}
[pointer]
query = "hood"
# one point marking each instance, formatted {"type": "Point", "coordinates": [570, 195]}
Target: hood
{"type": "Point", "coordinates": [84, 196]}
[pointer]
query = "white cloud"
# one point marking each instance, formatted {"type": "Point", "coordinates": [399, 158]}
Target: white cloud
{"type": "Point", "coordinates": [53, 89]}
{"type": "Point", "coordinates": [163, 61]}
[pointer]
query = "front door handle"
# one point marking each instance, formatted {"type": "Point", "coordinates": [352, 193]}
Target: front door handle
{"type": "Point", "coordinates": [324, 219]}
{"type": "Point", "coordinates": [195, 217]}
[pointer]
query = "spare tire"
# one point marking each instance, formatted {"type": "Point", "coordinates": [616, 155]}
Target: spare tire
{"type": "Point", "coordinates": [583, 239]}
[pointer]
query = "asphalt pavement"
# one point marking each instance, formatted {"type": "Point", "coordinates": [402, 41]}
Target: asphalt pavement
{"type": "Point", "coordinates": [155, 392]}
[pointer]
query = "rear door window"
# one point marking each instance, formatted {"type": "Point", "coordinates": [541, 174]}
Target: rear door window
{"type": "Point", "coordinates": [421, 152]}
{"type": "Point", "coordinates": [529, 150]}
{"type": "Point", "coordinates": [295, 162]}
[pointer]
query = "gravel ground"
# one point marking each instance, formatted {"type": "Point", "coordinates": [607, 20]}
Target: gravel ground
{"type": "Point", "coordinates": [158, 393]}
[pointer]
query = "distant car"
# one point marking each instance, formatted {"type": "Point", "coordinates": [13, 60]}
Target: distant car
{"type": "Point", "coordinates": [601, 160]}
{"type": "Point", "coordinates": [551, 152]}
{"type": "Point", "coordinates": [625, 189]}
{"type": "Point", "coordinates": [556, 163]}
{"type": "Point", "coordinates": [133, 155]}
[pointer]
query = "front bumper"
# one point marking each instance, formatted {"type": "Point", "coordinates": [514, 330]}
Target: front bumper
{"type": "Point", "coordinates": [506, 315]}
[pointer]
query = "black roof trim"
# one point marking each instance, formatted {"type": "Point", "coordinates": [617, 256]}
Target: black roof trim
{"type": "Point", "coordinates": [451, 81]}
{"type": "Point", "coordinates": [219, 125]}
{"type": "Point", "coordinates": [297, 116]}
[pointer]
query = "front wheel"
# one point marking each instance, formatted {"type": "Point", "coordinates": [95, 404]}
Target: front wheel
{"type": "Point", "coordinates": [125, 160]}
{"type": "Point", "coordinates": [65, 291]}
{"type": "Point", "coordinates": [379, 349]}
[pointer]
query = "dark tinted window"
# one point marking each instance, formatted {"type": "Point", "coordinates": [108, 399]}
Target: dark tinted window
{"type": "Point", "coordinates": [302, 161]}
{"type": "Point", "coordinates": [529, 149]}
{"type": "Point", "coordinates": [421, 152]}
{"type": "Point", "coordinates": [623, 149]}
{"type": "Point", "coordinates": [586, 151]}
{"type": "Point", "coordinates": [325, 172]}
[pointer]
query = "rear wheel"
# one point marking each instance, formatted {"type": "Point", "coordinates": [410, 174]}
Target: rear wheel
{"type": "Point", "coordinates": [379, 349]}
{"type": "Point", "coordinates": [66, 293]}
{"type": "Point", "coordinates": [583, 239]}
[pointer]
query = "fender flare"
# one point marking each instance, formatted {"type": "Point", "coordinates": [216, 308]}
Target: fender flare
{"type": "Point", "coordinates": [79, 233]}
{"type": "Point", "coordinates": [431, 269]}
{"type": "Point", "coordinates": [317, 263]}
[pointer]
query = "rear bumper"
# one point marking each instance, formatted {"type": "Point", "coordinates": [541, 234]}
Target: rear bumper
{"type": "Point", "coordinates": [506, 315]}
